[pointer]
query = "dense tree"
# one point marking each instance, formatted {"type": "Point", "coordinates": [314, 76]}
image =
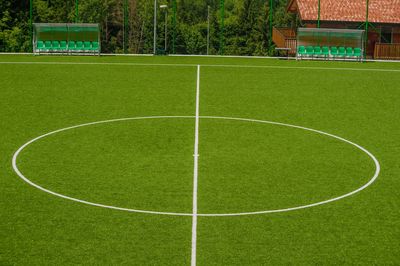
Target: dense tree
{"type": "Point", "coordinates": [246, 24]}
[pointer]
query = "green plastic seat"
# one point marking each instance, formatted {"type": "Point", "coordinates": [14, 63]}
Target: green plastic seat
{"type": "Point", "coordinates": [40, 45]}
{"type": "Point", "coordinates": [71, 45]}
{"type": "Point", "coordinates": [79, 45]}
{"type": "Point", "coordinates": [63, 45]}
{"type": "Point", "coordinates": [87, 46]}
{"type": "Point", "coordinates": [357, 52]}
{"type": "Point", "coordinates": [301, 50]}
{"type": "Point", "coordinates": [342, 52]}
{"type": "Point", "coordinates": [55, 45]}
{"type": "Point", "coordinates": [310, 50]}
{"type": "Point", "coordinates": [95, 46]}
{"type": "Point", "coordinates": [334, 51]}
{"type": "Point", "coordinates": [349, 52]}
{"type": "Point", "coordinates": [47, 45]}
{"type": "Point", "coordinates": [317, 51]}
{"type": "Point", "coordinates": [325, 51]}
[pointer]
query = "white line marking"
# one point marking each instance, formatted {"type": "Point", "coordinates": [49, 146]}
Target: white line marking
{"type": "Point", "coordinates": [19, 173]}
{"type": "Point", "coordinates": [307, 68]}
{"type": "Point", "coordinates": [195, 170]}
{"type": "Point", "coordinates": [375, 176]}
{"type": "Point", "coordinates": [206, 65]}
{"type": "Point", "coordinates": [371, 181]}
{"type": "Point", "coordinates": [96, 63]}
{"type": "Point", "coordinates": [275, 57]}
{"type": "Point", "coordinates": [211, 56]}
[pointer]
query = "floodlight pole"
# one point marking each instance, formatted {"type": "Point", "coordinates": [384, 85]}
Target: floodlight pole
{"type": "Point", "coordinates": [208, 29]}
{"type": "Point", "coordinates": [173, 25]}
{"type": "Point", "coordinates": [155, 28]}
{"type": "Point", "coordinates": [319, 13]}
{"type": "Point", "coordinates": [76, 11]}
{"type": "Point", "coordinates": [221, 34]}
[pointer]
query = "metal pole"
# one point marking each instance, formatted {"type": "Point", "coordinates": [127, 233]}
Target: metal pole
{"type": "Point", "coordinates": [173, 25]}
{"type": "Point", "coordinates": [30, 22]}
{"type": "Point", "coordinates": [271, 3]}
{"type": "Point", "coordinates": [125, 25]}
{"type": "Point", "coordinates": [319, 13]}
{"type": "Point", "coordinates": [166, 30]}
{"type": "Point", "coordinates": [66, 11]}
{"type": "Point", "coordinates": [221, 36]}
{"type": "Point", "coordinates": [366, 31]}
{"type": "Point", "coordinates": [155, 28]}
{"type": "Point", "coordinates": [76, 11]}
{"type": "Point", "coordinates": [208, 29]}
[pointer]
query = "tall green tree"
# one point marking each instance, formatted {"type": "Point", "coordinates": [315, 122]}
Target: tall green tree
{"type": "Point", "coordinates": [246, 24]}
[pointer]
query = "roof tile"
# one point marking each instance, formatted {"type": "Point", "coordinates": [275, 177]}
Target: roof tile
{"type": "Point", "coordinates": [380, 11]}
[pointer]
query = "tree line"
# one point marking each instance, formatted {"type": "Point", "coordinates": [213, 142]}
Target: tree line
{"type": "Point", "coordinates": [245, 31]}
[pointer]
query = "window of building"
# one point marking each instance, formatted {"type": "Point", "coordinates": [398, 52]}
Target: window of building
{"type": "Point", "coordinates": [386, 35]}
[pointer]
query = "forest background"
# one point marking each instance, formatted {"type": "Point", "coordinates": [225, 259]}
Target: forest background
{"type": "Point", "coordinates": [246, 27]}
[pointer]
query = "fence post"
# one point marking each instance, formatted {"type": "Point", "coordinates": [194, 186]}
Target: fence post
{"type": "Point", "coordinates": [76, 11]}
{"type": "Point", "coordinates": [222, 27]}
{"type": "Point", "coordinates": [173, 25]}
{"type": "Point", "coordinates": [31, 23]}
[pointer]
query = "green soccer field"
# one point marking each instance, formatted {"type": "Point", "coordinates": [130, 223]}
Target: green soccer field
{"type": "Point", "coordinates": [213, 161]}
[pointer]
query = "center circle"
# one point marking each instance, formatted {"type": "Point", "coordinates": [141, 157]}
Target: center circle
{"type": "Point", "coordinates": [370, 155]}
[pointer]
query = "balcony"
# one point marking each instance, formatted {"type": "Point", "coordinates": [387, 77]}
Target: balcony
{"type": "Point", "coordinates": [285, 38]}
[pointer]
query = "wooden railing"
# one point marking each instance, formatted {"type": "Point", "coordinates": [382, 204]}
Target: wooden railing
{"type": "Point", "coordinates": [285, 38]}
{"type": "Point", "coordinates": [292, 44]}
{"type": "Point", "coordinates": [278, 38]}
{"type": "Point", "coordinates": [387, 51]}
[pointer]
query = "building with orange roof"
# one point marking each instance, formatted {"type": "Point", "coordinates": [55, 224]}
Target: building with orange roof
{"type": "Point", "coordinates": [383, 18]}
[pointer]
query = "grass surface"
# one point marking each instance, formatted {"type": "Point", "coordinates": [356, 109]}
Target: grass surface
{"type": "Point", "coordinates": [243, 166]}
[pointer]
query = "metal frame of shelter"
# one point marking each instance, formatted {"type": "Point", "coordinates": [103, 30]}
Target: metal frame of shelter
{"type": "Point", "coordinates": [66, 38]}
{"type": "Point", "coordinates": [326, 43]}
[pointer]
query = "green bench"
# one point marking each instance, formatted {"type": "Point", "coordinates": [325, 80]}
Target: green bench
{"type": "Point", "coordinates": [70, 46]}
{"type": "Point", "coordinates": [327, 52]}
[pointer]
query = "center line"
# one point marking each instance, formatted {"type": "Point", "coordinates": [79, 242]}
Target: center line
{"type": "Point", "coordinates": [195, 171]}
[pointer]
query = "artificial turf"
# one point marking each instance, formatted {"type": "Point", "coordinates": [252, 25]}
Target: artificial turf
{"type": "Point", "coordinates": [244, 166]}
